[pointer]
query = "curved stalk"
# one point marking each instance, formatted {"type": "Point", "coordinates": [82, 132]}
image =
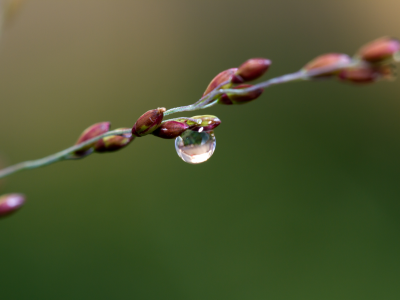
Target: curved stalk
{"type": "Point", "coordinates": [206, 101]}
{"type": "Point", "coordinates": [59, 156]}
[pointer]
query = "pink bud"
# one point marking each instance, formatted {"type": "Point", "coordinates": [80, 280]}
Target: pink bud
{"type": "Point", "coordinates": [222, 77]}
{"type": "Point", "coordinates": [367, 73]}
{"type": "Point", "coordinates": [148, 122]}
{"type": "Point", "coordinates": [10, 203]}
{"type": "Point", "coordinates": [251, 69]}
{"type": "Point", "coordinates": [204, 123]}
{"type": "Point", "coordinates": [380, 50]}
{"type": "Point", "coordinates": [89, 133]}
{"type": "Point", "coordinates": [242, 98]}
{"type": "Point", "coordinates": [170, 129]}
{"type": "Point", "coordinates": [329, 60]}
{"type": "Point", "coordinates": [114, 142]}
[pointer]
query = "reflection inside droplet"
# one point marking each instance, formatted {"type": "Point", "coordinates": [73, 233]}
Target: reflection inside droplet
{"type": "Point", "coordinates": [195, 147]}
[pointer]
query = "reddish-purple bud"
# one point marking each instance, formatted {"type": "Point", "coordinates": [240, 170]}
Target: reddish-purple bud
{"type": "Point", "coordinates": [10, 203]}
{"type": "Point", "coordinates": [381, 50]}
{"type": "Point", "coordinates": [89, 133]}
{"type": "Point", "coordinates": [170, 129]}
{"type": "Point", "coordinates": [222, 77]}
{"type": "Point", "coordinates": [367, 73]}
{"type": "Point", "coordinates": [329, 60]}
{"type": "Point", "coordinates": [148, 122]}
{"type": "Point", "coordinates": [114, 142]}
{"type": "Point", "coordinates": [204, 123]}
{"type": "Point", "coordinates": [251, 69]}
{"type": "Point", "coordinates": [229, 98]}
{"type": "Point", "coordinates": [359, 75]}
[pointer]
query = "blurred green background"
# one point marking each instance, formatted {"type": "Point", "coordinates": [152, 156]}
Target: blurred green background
{"type": "Point", "coordinates": [299, 201]}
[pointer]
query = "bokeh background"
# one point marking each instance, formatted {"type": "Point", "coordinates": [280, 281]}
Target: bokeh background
{"type": "Point", "coordinates": [299, 201]}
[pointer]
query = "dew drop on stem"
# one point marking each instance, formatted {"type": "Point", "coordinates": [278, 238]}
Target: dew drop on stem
{"type": "Point", "coordinates": [195, 147]}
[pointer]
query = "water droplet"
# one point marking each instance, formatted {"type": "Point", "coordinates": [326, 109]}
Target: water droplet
{"type": "Point", "coordinates": [195, 147]}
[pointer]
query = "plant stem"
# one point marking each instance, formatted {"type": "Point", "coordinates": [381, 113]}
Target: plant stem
{"type": "Point", "coordinates": [209, 99]}
{"type": "Point", "coordinates": [62, 155]}
{"type": "Point", "coordinates": [206, 101]}
{"type": "Point", "coordinates": [199, 104]}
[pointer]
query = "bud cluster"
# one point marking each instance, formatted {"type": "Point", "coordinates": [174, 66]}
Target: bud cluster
{"type": "Point", "coordinates": [372, 62]}
{"type": "Point", "coordinates": [174, 128]}
{"type": "Point", "coordinates": [109, 143]}
{"type": "Point", "coordinates": [235, 77]}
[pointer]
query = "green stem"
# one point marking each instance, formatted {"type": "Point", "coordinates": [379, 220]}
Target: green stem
{"type": "Point", "coordinates": [206, 101]}
{"type": "Point", "coordinates": [199, 104]}
{"type": "Point", "coordinates": [209, 99]}
{"type": "Point", "coordinates": [62, 155]}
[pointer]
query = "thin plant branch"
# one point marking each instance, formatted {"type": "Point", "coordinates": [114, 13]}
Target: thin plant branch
{"type": "Point", "coordinates": [204, 102]}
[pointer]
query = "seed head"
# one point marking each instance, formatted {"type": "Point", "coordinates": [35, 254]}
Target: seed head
{"type": "Point", "coordinates": [148, 122]}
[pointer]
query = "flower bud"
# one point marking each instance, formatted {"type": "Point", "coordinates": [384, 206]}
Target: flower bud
{"type": "Point", "coordinates": [367, 73]}
{"type": "Point", "coordinates": [207, 123]}
{"type": "Point", "coordinates": [226, 75]}
{"type": "Point", "coordinates": [148, 122]}
{"type": "Point", "coordinates": [10, 203]}
{"type": "Point", "coordinates": [240, 99]}
{"type": "Point", "coordinates": [329, 60]}
{"type": "Point", "coordinates": [114, 142]}
{"type": "Point", "coordinates": [358, 75]}
{"type": "Point", "coordinates": [251, 69]}
{"type": "Point", "coordinates": [381, 50]}
{"type": "Point", "coordinates": [89, 133]}
{"type": "Point", "coordinates": [171, 129]}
